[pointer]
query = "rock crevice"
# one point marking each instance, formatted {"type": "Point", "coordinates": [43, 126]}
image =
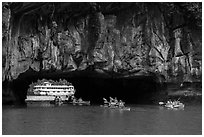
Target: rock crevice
{"type": "Point", "coordinates": [73, 36]}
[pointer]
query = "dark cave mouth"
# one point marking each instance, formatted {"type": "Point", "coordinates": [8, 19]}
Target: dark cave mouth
{"type": "Point", "coordinates": [132, 90]}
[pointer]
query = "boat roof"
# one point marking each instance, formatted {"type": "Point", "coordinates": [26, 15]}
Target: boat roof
{"type": "Point", "coordinates": [47, 82]}
{"type": "Point", "coordinates": [54, 85]}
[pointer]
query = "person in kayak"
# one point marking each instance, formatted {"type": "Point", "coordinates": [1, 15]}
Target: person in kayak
{"type": "Point", "coordinates": [116, 102]}
{"type": "Point", "coordinates": [74, 99]}
{"type": "Point", "coordinates": [105, 102]}
{"type": "Point", "coordinates": [80, 100]}
{"type": "Point", "coordinates": [111, 101]}
{"type": "Point", "coordinates": [121, 104]}
{"type": "Point", "coordinates": [67, 98]}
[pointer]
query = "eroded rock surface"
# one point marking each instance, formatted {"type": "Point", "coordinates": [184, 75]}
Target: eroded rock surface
{"type": "Point", "coordinates": [163, 38]}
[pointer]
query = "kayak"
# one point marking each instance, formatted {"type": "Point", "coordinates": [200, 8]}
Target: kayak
{"type": "Point", "coordinates": [169, 106]}
{"type": "Point", "coordinates": [125, 108]}
{"type": "Point", "coordinates": [180, 105]}
{"type": "Point", "coordinates": [172, 105]}
{"type": "Point", "coordinates": [116, 107]}
{"type": "Point", "coordinates": [105, 106]}
{"type": "Point", "coordinates": [120, 108]}
{"type": "Point", "coordinates": [56, 102]}
{"type": "Point", "coordinates": [161, 103]}
{"type": "Point", "coordinates": [81, 103]}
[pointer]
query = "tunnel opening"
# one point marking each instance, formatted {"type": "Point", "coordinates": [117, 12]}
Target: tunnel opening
{"type": "Point", "coordinates": [93, 87]}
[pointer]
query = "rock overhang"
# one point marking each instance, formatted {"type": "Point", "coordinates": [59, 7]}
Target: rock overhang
{"type": "Point", "coordinates": [111, 45]}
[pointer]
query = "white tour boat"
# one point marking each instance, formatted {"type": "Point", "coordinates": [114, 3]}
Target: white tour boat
{"type": "Point", "coordinates": [48, 91]}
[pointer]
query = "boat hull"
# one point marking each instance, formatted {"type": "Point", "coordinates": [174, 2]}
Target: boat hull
{"type": "Point", "coordinates": [39, 103]}
{"type": "Point", "coordinates": [174, 106]}
{"type": "Point", "coordinates": [39, 98]}
{"type": "Point", "coordinates": [80, 103]}
{"type": "Point", "coordinates": [115, 107]}
{"type": "Point", "coordinates": [34, 98]}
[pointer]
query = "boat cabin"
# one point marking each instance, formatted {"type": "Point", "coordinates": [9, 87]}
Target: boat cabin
{"type": "Point", "coordinates": [48, 88]}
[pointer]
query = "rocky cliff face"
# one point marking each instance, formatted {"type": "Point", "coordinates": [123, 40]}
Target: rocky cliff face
{"type": "Point", "coordinates": [137, 38]}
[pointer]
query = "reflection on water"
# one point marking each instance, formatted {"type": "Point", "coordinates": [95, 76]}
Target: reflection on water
{"type": "Point", "coordinates": [68, 119]}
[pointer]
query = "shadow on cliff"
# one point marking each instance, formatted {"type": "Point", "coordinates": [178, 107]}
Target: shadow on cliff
{"type": "Point", "coordinates": [92, 86]}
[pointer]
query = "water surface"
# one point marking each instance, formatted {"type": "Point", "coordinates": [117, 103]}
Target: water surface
{"type": "Point", "coordinates": [76, 120]}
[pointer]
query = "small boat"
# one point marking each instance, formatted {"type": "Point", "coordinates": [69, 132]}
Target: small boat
{"type": "Point", "coordinates": [161, 103]}
{"type": "Point", "coordinates": [116, 107]}
{"type": "Point", "coordinates": [114, 104]}
{"type": "Point", "coordinates": [57, 101]}
{"type": "Point", "coordinates": [82, 103]}
{"type": "Point", "coordinates": [174, 104]}
{"type": "Point", "coordinates": [125, 108]}
{"type": "Point", "coordinates": [180, 105]}
{"type": "Point", "coordinates": [79, 101]}
{"type": "Point", "coordinates": [120, 108]}
{"type": "Point", "coordinates": [169, 106]}
{"type": "Point", "coordinates": [105, 106]}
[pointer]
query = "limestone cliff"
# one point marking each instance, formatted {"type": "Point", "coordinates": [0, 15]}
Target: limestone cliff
{"type": "Point", "coordinates": [162, 38]}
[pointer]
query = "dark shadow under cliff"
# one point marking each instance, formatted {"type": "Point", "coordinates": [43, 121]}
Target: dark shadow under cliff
{"type": "Point", "coordinates": [92, 86]}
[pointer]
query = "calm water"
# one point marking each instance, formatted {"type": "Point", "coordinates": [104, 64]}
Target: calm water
{"type": "Point", "coordinates": [143, 119]}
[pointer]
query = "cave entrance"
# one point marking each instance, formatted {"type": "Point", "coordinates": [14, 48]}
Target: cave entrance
{"type": "Point", "coordinates": [133, 90]}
